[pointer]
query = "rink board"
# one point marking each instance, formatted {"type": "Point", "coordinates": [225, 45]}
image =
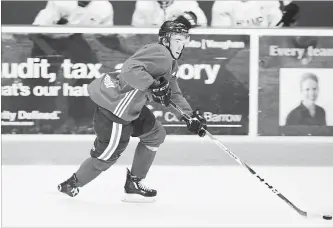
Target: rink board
{"type": "Point", "coordinates": [177, 150]}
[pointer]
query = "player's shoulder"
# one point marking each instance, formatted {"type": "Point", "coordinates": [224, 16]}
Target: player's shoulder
{"type": "Point", "coordinates": [157, 49]}
{"type": "Point", "coordinates": [154, 53]}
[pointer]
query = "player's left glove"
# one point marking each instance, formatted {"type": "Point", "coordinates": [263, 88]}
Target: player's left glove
{"type": "Point", "coordinates": [196, 124]}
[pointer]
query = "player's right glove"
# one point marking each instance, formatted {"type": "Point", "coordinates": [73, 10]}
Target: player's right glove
{"type": "Point", "coordinates": [197, 123]}
{"type": "Point", "coordinates": [161, 91]}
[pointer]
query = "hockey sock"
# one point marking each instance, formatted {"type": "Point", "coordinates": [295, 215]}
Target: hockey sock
{"type": "Point", "coordinates": [143, 159]}
{"type": "Point", "coordinates": [90, 169]}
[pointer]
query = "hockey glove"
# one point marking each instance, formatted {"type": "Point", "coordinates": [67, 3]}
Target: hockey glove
{"type": "Point", "coordinates": [161, 91]}
{"type": "Point", "coordinates": [196, 124]}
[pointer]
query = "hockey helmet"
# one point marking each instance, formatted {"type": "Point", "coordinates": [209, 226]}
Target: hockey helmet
{"type": "Point", "coordinates": [169, 28]}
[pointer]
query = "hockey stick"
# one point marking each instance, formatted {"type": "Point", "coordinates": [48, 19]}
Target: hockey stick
{"type": "Point", "coordinates": [262, 180]}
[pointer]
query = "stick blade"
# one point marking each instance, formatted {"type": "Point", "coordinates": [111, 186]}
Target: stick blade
{"type": "Point", "coordinates": [327, 217]}
{"type": "Point", "coordinates": [316, 215]}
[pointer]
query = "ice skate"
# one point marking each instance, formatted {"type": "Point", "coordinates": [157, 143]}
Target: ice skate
{"type": "Point", "coordinates": [136, 191]}
{"type": "Point", "coordinates": [69, 186]}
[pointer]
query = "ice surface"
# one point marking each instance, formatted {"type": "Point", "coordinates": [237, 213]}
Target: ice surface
{"type": "Point", "coordinates": [192, 196]}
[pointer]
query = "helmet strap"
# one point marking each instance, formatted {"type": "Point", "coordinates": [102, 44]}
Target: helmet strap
{"type": "Point", "coordinates": [167, 39]}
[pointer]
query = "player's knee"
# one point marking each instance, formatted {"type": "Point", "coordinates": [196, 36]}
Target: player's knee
{"type": "Point", "coordinates": [162, 134]}
{"type": "Point", "coordinates": [155, 138]}
{"type": "Point", "coordinates": [102, 165]}
{"type": "Point", "coordinates": [159, 135]}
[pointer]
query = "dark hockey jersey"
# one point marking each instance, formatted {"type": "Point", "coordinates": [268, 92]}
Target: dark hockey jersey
{"type": "Point", "coordinates": [125, 94]}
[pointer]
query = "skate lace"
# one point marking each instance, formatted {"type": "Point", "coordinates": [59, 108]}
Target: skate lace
{"type": "Point", "coordinates": [73, 183]}
{"type": "Point", "coordinates": [144, 187]}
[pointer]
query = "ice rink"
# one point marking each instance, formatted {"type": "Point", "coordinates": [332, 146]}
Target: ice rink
{"type": "Point", "coordinates": [206, 195]}
{"type": "Point", "coordinates": [199, 196]}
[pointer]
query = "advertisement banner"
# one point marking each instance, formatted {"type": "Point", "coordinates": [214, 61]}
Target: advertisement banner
{"type": "Point", "coordinates": [45, 79]}
{"type": "Point", "coordinates": [295, 86]}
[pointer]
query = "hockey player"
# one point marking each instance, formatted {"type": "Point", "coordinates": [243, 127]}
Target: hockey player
{"type": "Point", "coordinates": [246, 14]}
{"type": "Point", "coordinates": [154, 13]}
{"type": "Point", "coordinates": [121, 112]}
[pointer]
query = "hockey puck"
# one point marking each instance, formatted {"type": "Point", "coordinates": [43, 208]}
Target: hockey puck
{"type": "Point", "coordinates": [327, 217]}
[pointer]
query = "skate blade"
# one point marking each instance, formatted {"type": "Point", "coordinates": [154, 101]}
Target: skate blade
{"type": "Point", "coordinates": [136, 198]}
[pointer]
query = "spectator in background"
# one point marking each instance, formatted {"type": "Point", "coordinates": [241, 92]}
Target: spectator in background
{"type": "Point", "coordinates": [57, 47]}
{"type": "Point", "coordinates": [87, 13]}
{"type": "Point", "coordinates": [154, 13]}
{"type": "Point", "coordinates": [308, 113]}
{"type": "Point", "coordinates": [290, 12]}
{"type": "Point", "coordinates": [189, 19]}
{"type": "Point", "coordinates": [249, 14]}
